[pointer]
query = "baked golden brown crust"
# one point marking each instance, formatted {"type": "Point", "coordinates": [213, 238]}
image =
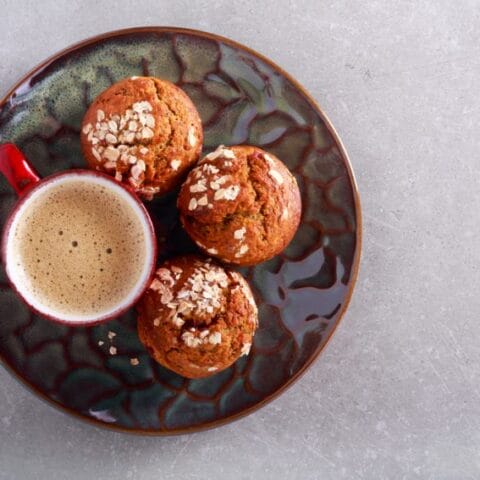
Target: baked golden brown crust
{"type": "Point", "coordinates": [240, 204]}
{"type": "Point", "coordinates": [144, 131]}
{"type": "Point", "coordinates": [197, 318]}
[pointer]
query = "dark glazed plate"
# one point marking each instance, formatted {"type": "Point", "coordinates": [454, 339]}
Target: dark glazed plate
{"type": "Point", "coordinates": [302, 294]}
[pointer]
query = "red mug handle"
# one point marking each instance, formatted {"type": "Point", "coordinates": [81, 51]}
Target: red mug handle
{"type": "Point", "coordinates": [16, 169]}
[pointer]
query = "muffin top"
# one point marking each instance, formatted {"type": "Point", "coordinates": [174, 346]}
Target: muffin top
{"type": "Point", "coordinates": [144, 131]}
{"type": "Point", "coordinates": [240, 204]}
{"type": "Point", "coordinates": [197, 318]}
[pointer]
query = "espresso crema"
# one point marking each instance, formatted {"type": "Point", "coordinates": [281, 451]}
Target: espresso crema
{"type": "Point", "coordinates": [78, 247]}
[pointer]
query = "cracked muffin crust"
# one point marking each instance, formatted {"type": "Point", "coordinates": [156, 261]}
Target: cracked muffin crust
{"type": "Point", "coordinates": [145, 132]}
{"type": "Point", "coordinates": [240, 204]}
{"type": "Point", "coordinates": [197, 318]}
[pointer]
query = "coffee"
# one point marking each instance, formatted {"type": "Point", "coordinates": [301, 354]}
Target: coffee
{"type": "Point", "coordinates": [78, 247]}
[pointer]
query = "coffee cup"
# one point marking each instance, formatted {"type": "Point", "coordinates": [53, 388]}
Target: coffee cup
{"type": "Point", "coordinates": [78, 247]}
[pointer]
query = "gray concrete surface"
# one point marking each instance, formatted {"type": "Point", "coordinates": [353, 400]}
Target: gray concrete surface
{"type": "Point", "coordinates": [396, 395]}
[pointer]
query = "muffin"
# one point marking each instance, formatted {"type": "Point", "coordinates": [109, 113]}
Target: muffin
{"type": "Point", "coordinates": [197, 318]}
{"type": "Point", "coordinates": [240, 204]}
{"type": "Point", "coordinates": [143, 131]}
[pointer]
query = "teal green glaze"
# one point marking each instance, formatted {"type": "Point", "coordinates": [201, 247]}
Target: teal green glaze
{"type": "Point", "coordinates": [242, 99]}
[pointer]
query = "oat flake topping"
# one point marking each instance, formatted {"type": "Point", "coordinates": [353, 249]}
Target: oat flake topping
{"type": "Point", "coordinates": [276, 176]}
{"type": "Point", "coordinates": [191, 339]}
{"type": "Point", "coordinates": [246, 348]}
{"type": "Point", "coordinates": [175, 164]}
{"type": "Point", "coordinates": [201, 293]}
{"type": "Point", "coordinates": [221, 151]}
{"type": "Point", "coordinates": [192, 139]}
{"type": "Point", "coordinates": [240, 233]}
{"type": "Point", "coordinates": [241, 251]}
{"type": "Point", "coordinates": [119, 133]}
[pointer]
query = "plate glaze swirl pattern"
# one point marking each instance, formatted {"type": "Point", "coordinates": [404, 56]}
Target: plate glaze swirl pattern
{"type": "Point", "coordinates": [242, 98]}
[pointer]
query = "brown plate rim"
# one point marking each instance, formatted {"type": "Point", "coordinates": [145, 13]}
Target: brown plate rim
{"type": "Point", "coordinates": [358, 235]}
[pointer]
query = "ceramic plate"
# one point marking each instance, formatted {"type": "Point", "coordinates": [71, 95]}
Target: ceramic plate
{"type": "Point", "coordinates": [242, 98]}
